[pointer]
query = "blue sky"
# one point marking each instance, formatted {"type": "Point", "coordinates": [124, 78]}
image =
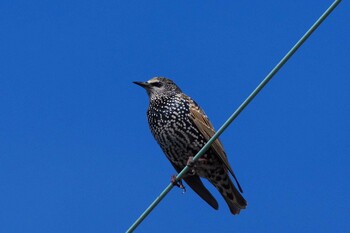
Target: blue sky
{"type": "Point", "coordinates": [76, 154]}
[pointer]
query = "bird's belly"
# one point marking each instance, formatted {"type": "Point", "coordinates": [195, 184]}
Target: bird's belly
{"type": "Point", "coordinates": [178, 137]}
{"type": "Point", "coordinates": [176, 143]}
{"type": "Point", "coordinates": [180, 142]}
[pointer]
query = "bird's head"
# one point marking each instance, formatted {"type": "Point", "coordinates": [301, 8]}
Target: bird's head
{"type": "Point", "coordinates": [159, 87]}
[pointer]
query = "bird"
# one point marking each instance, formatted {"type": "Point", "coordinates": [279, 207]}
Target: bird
{"type": "Point", "coordinates": [181, 128]}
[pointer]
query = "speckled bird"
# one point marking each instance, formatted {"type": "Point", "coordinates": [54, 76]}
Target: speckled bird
{"type": "Point", "coordinates": [181, 128]}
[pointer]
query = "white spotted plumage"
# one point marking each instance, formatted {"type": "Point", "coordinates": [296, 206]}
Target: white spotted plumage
{"type": "Point", "coordinates": [181, 128]}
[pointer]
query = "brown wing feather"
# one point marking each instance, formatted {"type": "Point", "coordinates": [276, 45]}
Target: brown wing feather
{"type": "Point", "coordinates": [206, 128]}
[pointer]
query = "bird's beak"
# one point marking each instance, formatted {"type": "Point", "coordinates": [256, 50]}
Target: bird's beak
{"type": "Point", "coordinates": [142, 84]}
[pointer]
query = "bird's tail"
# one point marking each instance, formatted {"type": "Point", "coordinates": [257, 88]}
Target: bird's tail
{"type": "Point", "coordinates": [232, 196]}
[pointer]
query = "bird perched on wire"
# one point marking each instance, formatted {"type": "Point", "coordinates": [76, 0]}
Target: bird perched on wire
{"type": "Point", "coordinates": [181, 128]}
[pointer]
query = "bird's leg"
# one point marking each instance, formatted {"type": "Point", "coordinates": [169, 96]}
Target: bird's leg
{"type": "Point", "coordinates": [178, 183]}
{"type": "Point", "coordinates": [190, 163]}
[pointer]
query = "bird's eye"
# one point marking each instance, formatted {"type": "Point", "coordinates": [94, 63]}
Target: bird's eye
{"type": "Point", "coordinates": [157, 84]}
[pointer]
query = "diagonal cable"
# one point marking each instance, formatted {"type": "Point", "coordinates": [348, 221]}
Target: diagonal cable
{"type": "Point", "coordinates": [236, 113]}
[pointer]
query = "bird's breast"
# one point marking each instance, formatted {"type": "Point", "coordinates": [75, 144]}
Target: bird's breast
{"type": "Point", "coordinates": [174, 131]}
{"type": "Point", "coordinates": [161, 113]}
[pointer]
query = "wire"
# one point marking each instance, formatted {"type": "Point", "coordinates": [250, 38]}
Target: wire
{"type": "Point", "coordinates": [236, 113]}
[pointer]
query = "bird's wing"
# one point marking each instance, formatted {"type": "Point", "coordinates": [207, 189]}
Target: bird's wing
{"type": "Point", "coordinates": [197, 185]}
{"type": "Point", "coordinates": [203, 124]}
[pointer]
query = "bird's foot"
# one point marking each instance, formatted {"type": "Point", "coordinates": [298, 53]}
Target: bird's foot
{"type": "Point", "coordinates": [190, 161]}
{"type": "Point", "coordinates": [191, 164]}
{"type": "Point", "coordinates": [178, 183]}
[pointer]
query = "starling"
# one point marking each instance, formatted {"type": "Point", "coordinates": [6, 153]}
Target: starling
{"type": "Point", "coordinates": [181, 128]}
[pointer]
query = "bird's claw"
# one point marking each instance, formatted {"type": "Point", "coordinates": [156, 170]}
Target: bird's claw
{"type": "Point", "coordinates": [190, 162]}
{"type": "Point", "coordinates": [178, 183]}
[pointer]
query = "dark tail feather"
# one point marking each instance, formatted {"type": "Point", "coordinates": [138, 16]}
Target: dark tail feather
{"type": "Point", "coordinates": [196, 184]}
{"type": "Point", "coordinates": [233, 198]}
{"type": "Point", "coordinates": [236, 202]}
